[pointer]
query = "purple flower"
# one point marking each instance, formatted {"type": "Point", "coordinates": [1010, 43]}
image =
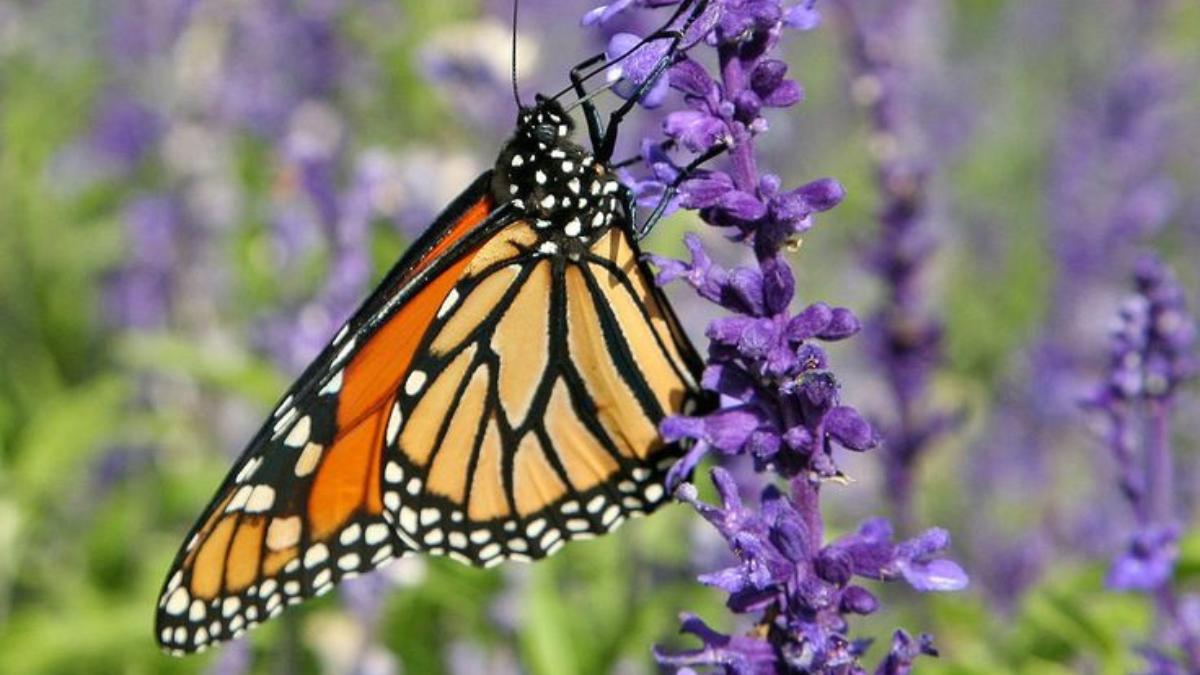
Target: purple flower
{"type": "Point", "coordinates": [286, 56]}
{"type": "Point", "coordinates": [138, 295]}
{"type": "Point", "coordinates": [802, 590]}
{"type": "Point", "coordinates": [123, 130]}
{"type": "Point", "coordinates": [904, 651]}
{"type": "Point", "coordinates": [903, 337]}
{"type": "Point", "coordinates": [636, 68]}
{"type": "Point", "coordinates": [780, 402]}
{"type": "Point", "coordinates": [1148, 562]}
{"type": "Point", "coordinates": [1152, 354]}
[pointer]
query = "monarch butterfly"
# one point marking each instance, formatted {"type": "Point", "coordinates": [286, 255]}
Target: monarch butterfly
{"type": "Point", "coordinates": [495, 397]}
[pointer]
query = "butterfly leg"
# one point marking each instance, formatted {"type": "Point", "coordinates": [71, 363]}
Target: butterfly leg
{"type": "Point", "coordinates": [605, 149]}
{"type": "Point", "coordinates": [590, 113]}
{"type": "Point", "coordinates": [672, 188]}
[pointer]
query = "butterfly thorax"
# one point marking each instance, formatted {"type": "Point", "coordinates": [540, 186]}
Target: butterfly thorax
{"type": "Point", "coordinates": [567, 195]}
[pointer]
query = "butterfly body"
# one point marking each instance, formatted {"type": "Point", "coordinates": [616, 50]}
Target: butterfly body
{"type": "Point", "coordinates": [497, 396]}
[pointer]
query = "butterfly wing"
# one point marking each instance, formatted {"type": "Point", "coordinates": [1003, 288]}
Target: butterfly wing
{"type": "Point", "coordinates": [530, 416]}
{"type": "Point", "coordinates": [302, 508]}
{"type": "Point", "coordinates": [493, 399]}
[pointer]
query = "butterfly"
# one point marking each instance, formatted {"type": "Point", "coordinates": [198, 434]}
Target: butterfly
{"type": "Point", "coordinates": [495, 397]}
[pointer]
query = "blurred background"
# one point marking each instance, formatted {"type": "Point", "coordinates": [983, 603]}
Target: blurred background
{"type": "Point", "coordinates": [195, 193]}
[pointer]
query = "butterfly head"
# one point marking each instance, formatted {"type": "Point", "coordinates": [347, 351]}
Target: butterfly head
{"type": "Point", "coordinates": [557, 184]}
{"type": "Point", "coordinates": [545, 124]}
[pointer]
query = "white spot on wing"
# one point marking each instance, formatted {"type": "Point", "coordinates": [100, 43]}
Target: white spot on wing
{"type": "Point", "coordinates": [375, 533]}
{"type": "Point", "coordinates": [315, 555]}
{"type": "Point", "coordinates": [177, 602]}
{"type": "Point", "coordinates": [239, 498]}
{"type": "Point", "coordinates": [283, 422]}
{"type": "Point", "coordinates": [393, 425]}
{"type": "Point", "coordinates": [334, 385]}
{"type": "Point", "coordinates": [393, 473]}
{"type": "Point", "coordinates": [535, 528]}
{"type": "Point", "coordinates": [248, 470]}
{"type": "Point", "coordinates": [610, 515]}
{"type": "Point", "coordinates": [408, 519]}
{"type": "Point", "coordinates": [654, 492]}
{"type": "Point", "coordinates": [350, 534]}
{"type": "Point", "coordinates": [450, 301]}
{"type": "Point", "coordinates": [298, 436]}
{"type": "Point", "coordinates": [308, 459]}
{"type": "Point", "coordinates": [261, 499]}
{"type": "Point", "coordinates": [341, 356]}
{"type": "Point", "coordinates": [414, 383]}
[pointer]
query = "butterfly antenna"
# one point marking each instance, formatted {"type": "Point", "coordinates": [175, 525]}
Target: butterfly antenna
{"type": "Point", "coordinates": [516, 94]}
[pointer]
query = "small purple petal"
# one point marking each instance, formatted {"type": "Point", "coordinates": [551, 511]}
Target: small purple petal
{"type": "Point", "coordinates": [702, 193]}
{"type": "Point", "coordinates": [802, 17]}
{"type": "Point", "coordinates": [842, 325]}
{"type": "Point", "coordinates": [778, 285]}
{"type": "Point", "coordinates": [786, 94]}
{"type": "Point", "coordinates": [809, 323]}
{"type": "Point", "coordinates": [729, 429]}
{"type": "Point", "coordinates": [858, 600]}
{"type": "Point", "coordinates": [846, 426]}
{"type": "Point", "coordinates": [679, 427]}
{"type": "Point", "coordinates": [693, 79]}
{"type": "Point", "coordinates": [696, 131]}
{"type": "Point", "coordinates": [742, 205]}
{"type": "Point", "coordinates": [821, 195]}
{"type": "Point", "coordinates": [935, 575]}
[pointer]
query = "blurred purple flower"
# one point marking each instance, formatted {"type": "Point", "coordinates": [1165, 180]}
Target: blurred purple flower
{"type": "Point", "coordinates": [139, 294]}
{"type": "Point", "coordinates": [123, 130]}
{"type": "Point", "coordinates": [1108, 189]}
{"type": "Point", "coordinates": [779, 400]}
{"type": "Point", "coordinates": [235, 658]}
{"type": "Point", "coordinates": [141, 31]}
{"type": "Point", "coordinates": [1152, 354]}
{"type": "Point", "coordinates": [1148, 563]}
{"type": "Point", "coordinates": [287, 54]}
{"type": "Point", "coordinates": [904, 338]}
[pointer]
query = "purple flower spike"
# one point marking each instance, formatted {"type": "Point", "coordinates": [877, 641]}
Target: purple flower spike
{"type": "Point", "coordinates": [1152, 354]}
{"type": "Point", "coordinates": [781, 404]}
